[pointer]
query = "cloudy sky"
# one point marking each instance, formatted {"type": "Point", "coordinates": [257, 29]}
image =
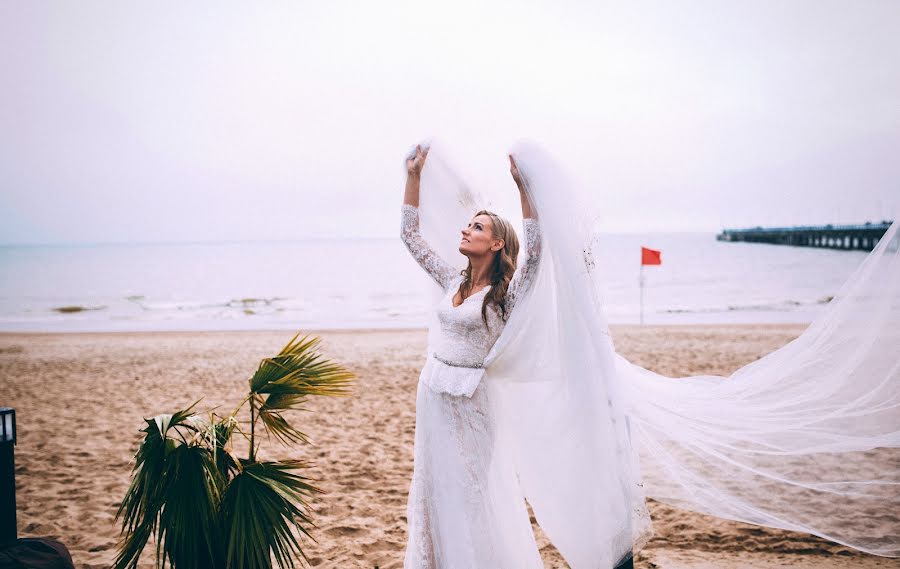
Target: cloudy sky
{"type": "Point", "coordinates": [126, 121]}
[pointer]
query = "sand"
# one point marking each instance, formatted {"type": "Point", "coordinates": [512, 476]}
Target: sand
{"type": "Point", "coordinates": [80, 399]}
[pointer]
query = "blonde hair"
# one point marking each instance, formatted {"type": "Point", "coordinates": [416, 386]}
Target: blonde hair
{"type": "Point", "coordinates": [502, 269]}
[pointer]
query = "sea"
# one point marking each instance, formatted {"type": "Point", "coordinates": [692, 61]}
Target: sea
{"type": "Point", "coordinates": [374, 283]}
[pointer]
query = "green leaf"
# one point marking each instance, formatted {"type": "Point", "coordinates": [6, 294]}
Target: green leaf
{"type": "Point", "coordinates": [297, 372]}
{"type": "Point", "coordinates": [265, 513]}
{"type": "Point", "coordinates": [143, 499]}
{"type": "Point", "coordinates": [270, 370]}
{"type": "Point", "coordinates": [188, 531]}
{"type": "Point", "coordinates": [148, 492]}
{"type": "Point", "coordinates": [278, 427]}
{"type": "Point", "coordinates": [226, 462]}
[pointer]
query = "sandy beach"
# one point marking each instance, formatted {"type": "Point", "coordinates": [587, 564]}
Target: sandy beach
{"type": "Point", "coordinates": [80, 400]}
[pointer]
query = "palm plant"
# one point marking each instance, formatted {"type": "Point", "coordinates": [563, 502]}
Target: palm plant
{"type": "Point", "coordinates": [209, 508]}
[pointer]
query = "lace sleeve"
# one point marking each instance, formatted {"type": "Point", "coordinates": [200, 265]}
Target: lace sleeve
{"type": "Point", "coordinates": [439, 269]}
{"type": "Point", "coordinates": [524, 275]}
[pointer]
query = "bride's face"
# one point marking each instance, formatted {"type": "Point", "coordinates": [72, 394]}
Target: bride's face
{"type": "Point", "coordinates": [478, 238]}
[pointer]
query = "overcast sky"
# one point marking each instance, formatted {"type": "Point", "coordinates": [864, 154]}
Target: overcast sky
{"type": "Point", "coordinates": [126, 121]}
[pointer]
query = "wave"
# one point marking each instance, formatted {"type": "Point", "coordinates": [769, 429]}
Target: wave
{"type": "Point", "coordinates": [779, 306]}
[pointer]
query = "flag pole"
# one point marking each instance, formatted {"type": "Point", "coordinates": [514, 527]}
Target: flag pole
{"type": "Point", "coordinates": [641, 282]}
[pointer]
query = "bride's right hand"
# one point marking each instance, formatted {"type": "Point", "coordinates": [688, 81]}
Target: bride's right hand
{"type": "Point", "coordinates": [414, 164]}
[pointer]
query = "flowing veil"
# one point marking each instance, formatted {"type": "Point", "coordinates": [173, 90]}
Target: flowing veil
{"type": "Point", "coordinates": [805, 438]}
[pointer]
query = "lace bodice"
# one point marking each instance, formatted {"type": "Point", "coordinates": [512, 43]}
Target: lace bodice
{"type": "Point", "coordinates": [464, 340]}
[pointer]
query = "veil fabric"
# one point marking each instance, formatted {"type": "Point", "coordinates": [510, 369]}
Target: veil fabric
{"type": "Point", "coordinates": [805, 438]}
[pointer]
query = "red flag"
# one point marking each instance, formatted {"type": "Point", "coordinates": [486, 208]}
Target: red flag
{"type": "Point", "coordinates": [650, 257]}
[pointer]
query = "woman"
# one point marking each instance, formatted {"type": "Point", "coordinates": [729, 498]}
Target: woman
{"type": "Point", "coordinates": [461, 511]}
{"type": "Point", "coordinates": [806, 438]}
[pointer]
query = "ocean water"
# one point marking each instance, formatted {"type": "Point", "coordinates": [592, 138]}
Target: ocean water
{"type": "Point", "coordinates": [374, 283]}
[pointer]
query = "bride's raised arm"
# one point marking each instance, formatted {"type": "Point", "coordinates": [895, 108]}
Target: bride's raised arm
{"type": "Point", "coordinates": [524, 274]}
{"type": "Point", "coordinates": [439, 269]}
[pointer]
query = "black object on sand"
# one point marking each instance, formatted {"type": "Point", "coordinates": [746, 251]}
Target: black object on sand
{"type": "Point", "coordinates": [26, 553]}
{"type": "Point", "coordinates": [35, 553]}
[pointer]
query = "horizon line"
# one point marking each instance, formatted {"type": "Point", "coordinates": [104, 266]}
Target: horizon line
{"type": "Point", "coordinates": [297, 240]}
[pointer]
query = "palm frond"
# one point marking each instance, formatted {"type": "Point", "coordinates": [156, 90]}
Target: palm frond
{"type": "Point", "coordinates": [270, 371]}
{"type": "Point", "coordinates": [188, 531]}
{"type": "Point", "coordinates": [164, 422]}
{"type": "Point", "coordinates": [288, 378]}
{"type": "Point", "coordinates": [298, 371]}
{"type": "Point", "coordinates": [278, 427]}
{"type": "Point", "coordinates": [227, 463]}
{"type": "Point", "coordinates": [147, 493]}
{"type": "Point", "coordinates": [143, 499]}
{"type": "Point", "coordinates": [265, 512]}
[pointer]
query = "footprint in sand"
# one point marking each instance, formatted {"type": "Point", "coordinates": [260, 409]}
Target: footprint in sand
{"type": "Point", "coordinates": [342, 531]}
{"type": "Point", "coordinates": [103, 547]}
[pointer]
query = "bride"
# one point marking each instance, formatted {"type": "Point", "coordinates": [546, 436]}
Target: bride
{"type": "Point", "coordinates": [522, 396]}
{"type": "Point", "coordinates": [457, 515]}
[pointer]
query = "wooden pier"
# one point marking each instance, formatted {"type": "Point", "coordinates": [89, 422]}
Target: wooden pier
{"type": "Point", "coordinates": [850, 237]}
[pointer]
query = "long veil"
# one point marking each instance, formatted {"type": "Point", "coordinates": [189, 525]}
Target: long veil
{"type": "Point", "coordinates": [805, 438]}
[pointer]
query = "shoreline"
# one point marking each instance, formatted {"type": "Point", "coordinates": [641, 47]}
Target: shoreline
{"type": "Point", "coordinates": [373, 330]}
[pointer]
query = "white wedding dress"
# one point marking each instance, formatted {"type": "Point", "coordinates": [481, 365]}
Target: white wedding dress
{"type": "Point", "coordinates": [465, 509]}
{"type": "Point", "coordinates": [806, 438]}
